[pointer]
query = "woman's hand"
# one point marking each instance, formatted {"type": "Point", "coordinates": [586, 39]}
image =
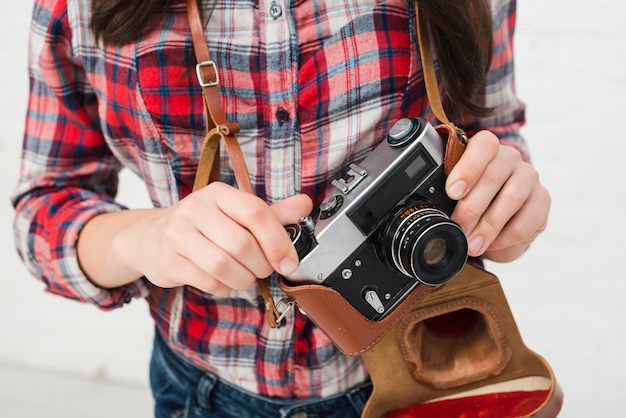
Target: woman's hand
{"type": "Point", "coordinates": [502, 206]}
{"type": "Point", "coordinates": [216, 239]}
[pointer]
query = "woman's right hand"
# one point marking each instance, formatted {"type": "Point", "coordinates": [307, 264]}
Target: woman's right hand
{"type": "Point", "coordinates": [216, 239]}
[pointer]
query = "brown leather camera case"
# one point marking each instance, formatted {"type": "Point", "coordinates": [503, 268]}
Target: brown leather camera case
{"type": "Point", "coordinates": [462, 342]}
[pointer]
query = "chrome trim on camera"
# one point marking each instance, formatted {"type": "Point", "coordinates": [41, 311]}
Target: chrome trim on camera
{"type": "Point", "coordinates": [355, 175]}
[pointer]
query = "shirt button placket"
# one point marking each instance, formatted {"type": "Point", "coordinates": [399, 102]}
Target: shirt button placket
{"type": "Point", "coordinates": [280, 70]}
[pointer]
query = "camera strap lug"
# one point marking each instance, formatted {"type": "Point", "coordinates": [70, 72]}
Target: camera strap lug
{"type": "Point", "coordinates": [460, 133]}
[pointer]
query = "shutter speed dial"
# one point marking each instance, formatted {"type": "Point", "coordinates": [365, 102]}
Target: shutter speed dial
{"type": "Point", "coordinates": [330, 206]}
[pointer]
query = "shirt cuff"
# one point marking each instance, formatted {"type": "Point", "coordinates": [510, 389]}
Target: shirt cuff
{"type": "Point", "coordinates": [55, 258]}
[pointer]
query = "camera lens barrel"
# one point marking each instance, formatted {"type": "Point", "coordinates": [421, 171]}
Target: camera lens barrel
{"type": "Point", "coordinates": [420, 241]}
{"type": "Point", "coordinates": [301, 236]}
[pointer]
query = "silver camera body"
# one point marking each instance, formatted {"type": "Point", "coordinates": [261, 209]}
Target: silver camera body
{"type": "Point", "coordinates": [385, 228]}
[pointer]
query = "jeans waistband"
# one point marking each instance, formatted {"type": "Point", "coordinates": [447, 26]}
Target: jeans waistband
{"type": "Point", "coordinates": [183, 390]}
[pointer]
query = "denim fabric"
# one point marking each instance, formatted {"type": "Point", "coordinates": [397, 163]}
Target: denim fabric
{"type": "Point", "coordinates": [181, 390]}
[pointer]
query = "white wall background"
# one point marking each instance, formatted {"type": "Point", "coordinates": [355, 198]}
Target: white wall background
{"type": "Point", "coordinates": [567, 293]}
{"type": "Point", "coordinates": [46, 337]}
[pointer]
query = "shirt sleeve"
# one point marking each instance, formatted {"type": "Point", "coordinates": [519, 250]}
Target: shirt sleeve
{"type": "Point", "coordinates": [499, 92]}
{"type": "Point", "coordinates": [68, 174]}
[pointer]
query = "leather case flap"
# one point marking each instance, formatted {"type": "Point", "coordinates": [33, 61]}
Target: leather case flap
{"type": "Point", "coordinates": [349, 330]}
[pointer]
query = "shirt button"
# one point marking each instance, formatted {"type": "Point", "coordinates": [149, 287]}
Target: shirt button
{"type": "Point", "coordinates": [276, 10]}
{"type": "Point", "coordinates": [282, 115]}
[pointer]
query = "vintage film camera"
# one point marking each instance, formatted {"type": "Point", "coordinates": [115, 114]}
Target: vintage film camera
{"type": "Point", "coordinates": [385, 229]}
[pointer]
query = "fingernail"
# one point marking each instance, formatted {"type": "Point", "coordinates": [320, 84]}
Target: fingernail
{"type": "Point", "coordinates": [476, 245]}
{"type": "Point", "coordinates": [287, 266]}
{"type": "Point", "coordinates": [457, 190]}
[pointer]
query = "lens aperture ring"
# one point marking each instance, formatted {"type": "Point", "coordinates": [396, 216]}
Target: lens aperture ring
{"type": "Point", "coordinates": [407, 228]}
{"type": "Point", "coordinates": [422, 242]}
{"type": "Point", "coordinates": [449, 259]}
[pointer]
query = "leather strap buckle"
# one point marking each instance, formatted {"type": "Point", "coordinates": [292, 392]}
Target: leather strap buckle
{"type": "Point", "coordinates": [209, 83]}
{"type": "Point", "coordinates": [284, 301]}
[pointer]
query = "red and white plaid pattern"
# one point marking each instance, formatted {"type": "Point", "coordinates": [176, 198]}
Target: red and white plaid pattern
{"type": "Point", "coordinates": [313, 89]}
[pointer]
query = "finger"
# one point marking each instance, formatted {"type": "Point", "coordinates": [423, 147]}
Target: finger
{"type": "Point", "coordinates": [502, 209]}
{"type": "Point", "coordinates": [481, 150]}
{"type": "Point", "coordinates": [216, 263]}
{"type": "Point", "coordinates": [255, 215]}
{"type": "Point", "coordinates": [291, 209]}
{"type": "Point", "coordinates": [241, 244]}
{"type": "Point", "coordinates": [471, 209]}
{"type": "Point", "coordinates": [288, 211]}
{"type": "Point", "coordinates": [208, 284]}
{"type": "Point", "coordinates": [506, 255]}
{"type": "Point", "coordinates": [523, 228]}
{"type": "Point", "coordinates": [182, 271]}
{"type": "Point", "coordinates": [238, 242]}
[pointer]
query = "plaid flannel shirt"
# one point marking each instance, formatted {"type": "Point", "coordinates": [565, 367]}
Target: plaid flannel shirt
{"type": "Point", "coordinates": [314, 85]}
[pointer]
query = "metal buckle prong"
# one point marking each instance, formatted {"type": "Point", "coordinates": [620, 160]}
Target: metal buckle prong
{"type": "Point", "coordinates": [201, 79]}
{"type": "Point", "coordinates": [283, 301]}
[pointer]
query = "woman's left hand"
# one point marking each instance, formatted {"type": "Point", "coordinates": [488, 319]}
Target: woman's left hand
{"type": "Point", "coordinates": [502, 206]}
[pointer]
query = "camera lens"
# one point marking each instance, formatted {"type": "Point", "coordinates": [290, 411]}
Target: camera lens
{"type": "Point", "coordinates": [435, 251]}
{"type": "Point", "coordinates": [420, 241]}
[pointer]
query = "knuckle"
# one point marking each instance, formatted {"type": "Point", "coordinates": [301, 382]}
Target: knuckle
{"type": "Point", "coordinates": [215, 287]}
{"type": "Point", "coordinates": [489, 229]}
{"type": "Point", "coordinates": [218, 265]}
{"type": "Point", "coordinates": [532, 179]}
{"type": "Point", "coordinates": [495, 178]}
{"type": "Point", "coordinates": [257, 208]}
{"type": "Point", "coordinates": [492, 140]}
{"type": "Point", "coordinates": [163, 274]}
{"type": "Point", "coordinates": [545, 197]}
{"type": "Point", "coordinates": [241, 243]}
{"type": "Point", "coordinates": [280, 245]}
{"type": "Point", "coordinates": [505, 255]}
{"type": "Point", "coordinates": [529, 172]}
{"type": "Point", "coordinates": [486, 140]}
{"type": "Point", "coordinates": [188, 206]}
{"type": "Point", "coordinates": [221, 291]}
{"type": "Point", "coordinates": [518, 233]}
{"type": "Point", "coordinates": [542, 227]}
{"type": "Point", "coordinates": [511, 153]}
{"type": "Point", "coordinates": [466, 214]}
{"type": "Point", "coordinates": [514, 197]}
{"type": "Point", "coordinates": [214, 187]}
{"type": "Point", "coordinates": [263, 272]}
{"type": "Point", "coordinates": [170, 232]}
{"type": "Point", "coordinates": [245, 282]}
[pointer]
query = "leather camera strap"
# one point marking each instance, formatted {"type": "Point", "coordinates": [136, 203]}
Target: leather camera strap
{"type": "Point", "coordinates": [219, 129]}
{"type": "Point", "coordinates": [428, 67]}
{"type": "Point", "coordinates": [454, 148]}
{"type": "Point", "coordinates": [217, 125]}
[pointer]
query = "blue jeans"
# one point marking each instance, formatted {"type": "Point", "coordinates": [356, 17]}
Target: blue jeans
{"type": "Point", "coordinates": [182, 390]}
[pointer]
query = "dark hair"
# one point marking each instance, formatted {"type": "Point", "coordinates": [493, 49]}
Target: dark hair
{"type": "Point", "coordinates": [461, 32]}
{"type": "Point", "coordinates": [462, 36]}
{"type": "Point", "coordinates": [117, 22]}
